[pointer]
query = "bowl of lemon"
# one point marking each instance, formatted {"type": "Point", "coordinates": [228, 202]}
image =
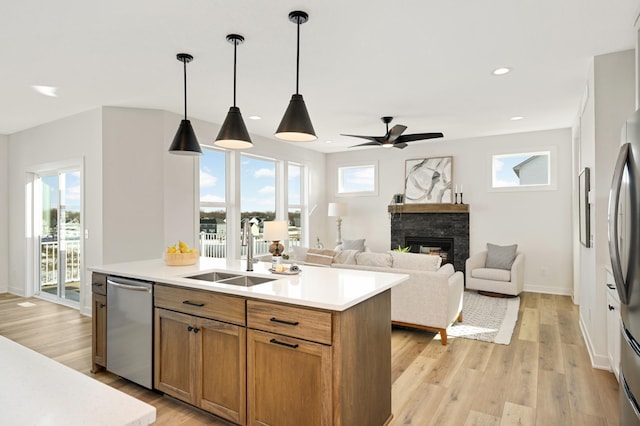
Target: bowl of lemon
{"type": "Point", "coordinates": [180, 255]}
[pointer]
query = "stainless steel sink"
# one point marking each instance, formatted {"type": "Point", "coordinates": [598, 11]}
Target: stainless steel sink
{"type": "Point", "coordinates": [213, 276]}
{"type": "Point", "coordinates": [226, 278]}
{"type": "Point", "coordinates": [245, 280]}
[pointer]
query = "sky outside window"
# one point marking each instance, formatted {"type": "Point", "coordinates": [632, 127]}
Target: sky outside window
{"type": "Point", "coordinates": [212, 176]}
{"type": "Point", "coordinates": [257, 184]}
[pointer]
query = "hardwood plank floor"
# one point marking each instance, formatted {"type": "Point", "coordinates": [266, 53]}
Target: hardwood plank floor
{"type": "Point", "coordinates": [543, 377]}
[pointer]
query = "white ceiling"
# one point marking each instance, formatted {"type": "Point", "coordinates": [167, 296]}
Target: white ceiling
{"type": "Point", "coordinates": [426, 62]}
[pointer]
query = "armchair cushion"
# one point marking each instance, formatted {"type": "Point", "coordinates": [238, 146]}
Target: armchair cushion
{"type": "Point", "coordinates": [500, 257]}
{"type": "Point", "coordinates": [491, 274]}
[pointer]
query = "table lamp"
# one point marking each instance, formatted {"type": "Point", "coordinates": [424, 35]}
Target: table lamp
{"type": "Point", "coordinates": [338, 209]}
{"type": "Point", "coordinates": [276, 231]}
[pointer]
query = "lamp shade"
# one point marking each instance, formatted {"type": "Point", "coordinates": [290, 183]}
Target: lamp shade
{"type": "Point", "coordinates": [233, 134]}
{"type": "Point", "coordinates": [337, 209]}
{"type": "Point", "coordinates": [185, 141]}
{"type": "Point", "coordinates": [276, 230]}
{"type": "Point", "coordinates": [296, 125]}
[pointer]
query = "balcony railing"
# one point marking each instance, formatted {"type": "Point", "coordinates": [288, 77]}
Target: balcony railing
{"type": "Point", "coordinates": [215, 245]}
{"type": "Point", "coordinates": [49, 262]}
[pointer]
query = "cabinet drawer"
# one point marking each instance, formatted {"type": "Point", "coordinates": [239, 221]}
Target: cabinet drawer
{"type": "Point", "coordinates": [303, 323]}
{"type": "Point", "coordinates": [201, 303]}
{"type": "Point", "coordinates": [99, 283]}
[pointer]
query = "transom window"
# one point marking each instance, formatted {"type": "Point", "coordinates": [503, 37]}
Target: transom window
{"type": "Point", "coordinates": [358, 179]}
{"type": "Point", "coordinates": [521, 170]}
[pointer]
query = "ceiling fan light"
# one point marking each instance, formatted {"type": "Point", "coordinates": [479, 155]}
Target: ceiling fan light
{"type": "Point", "coordinates": [387, 144]}
{"type": "Point", "coordinates": [233, 134]}
{"type": "Point", "coordinates": [185, 141]}
{"type": "Point", "coordinates": [296, 125]}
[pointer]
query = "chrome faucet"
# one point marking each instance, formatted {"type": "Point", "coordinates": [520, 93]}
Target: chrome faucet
{"type": "Point", "coordinates": [247, 240]}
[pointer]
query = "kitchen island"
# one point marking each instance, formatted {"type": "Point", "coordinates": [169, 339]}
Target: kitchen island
{"type": "Point", "coordinates": [312, 348]}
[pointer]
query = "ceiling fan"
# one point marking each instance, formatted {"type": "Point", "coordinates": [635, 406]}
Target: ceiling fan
{"type": "Point", "coordinates": [394, 137]}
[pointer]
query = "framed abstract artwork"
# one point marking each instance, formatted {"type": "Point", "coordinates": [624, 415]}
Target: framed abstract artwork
{"type": "Point", "coordinates": [428, 180]}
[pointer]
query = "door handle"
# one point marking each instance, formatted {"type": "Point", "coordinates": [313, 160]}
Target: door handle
{"type": "Point", "coordinates": [614, 198]}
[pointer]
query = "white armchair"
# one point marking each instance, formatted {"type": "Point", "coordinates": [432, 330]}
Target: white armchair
{"type": "Point", "coordinates": [502, 281]}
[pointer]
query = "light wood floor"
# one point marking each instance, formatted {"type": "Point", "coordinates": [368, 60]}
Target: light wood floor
{"type": "Point", "coordinates": [544, 377]}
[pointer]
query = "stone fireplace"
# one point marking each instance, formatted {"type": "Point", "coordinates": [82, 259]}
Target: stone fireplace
{"type": "Point", "coordinates": [441, 229]}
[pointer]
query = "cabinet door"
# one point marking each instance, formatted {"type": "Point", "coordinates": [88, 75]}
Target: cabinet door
{"type": "Point", "coordinates": [613, 332]}
{"type": "Point", "coordinates": [175, 355]}
{"type": "Point", "coordinates": [99, 331]}
{"type": "Point", "coordinates": [288, 380]}
{"type": "Point", "coordinates": [223, 374]}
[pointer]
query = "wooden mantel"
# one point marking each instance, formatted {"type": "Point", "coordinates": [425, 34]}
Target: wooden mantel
{"type": "Point", "coordinates": [428, 208]}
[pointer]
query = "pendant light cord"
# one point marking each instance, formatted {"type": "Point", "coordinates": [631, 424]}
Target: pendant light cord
{"type": "Point", "coordinates": [298, 57]}
{"type": "Point", "coordinates": [235, 48]}
{"type": "Point", "coordinates": [184, 62]}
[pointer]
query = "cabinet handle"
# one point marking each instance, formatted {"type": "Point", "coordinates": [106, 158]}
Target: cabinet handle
{"type": "Point", "coordinates": [611, 308]}
{"type": "Point", "coordinates": [289, 345]}
{"type": "Point", "coordinates": [102, 305]}
{"type": "Point", "coordinates": [274, 319]}
{"type": "Point", "coordinates": [98, 284]}
{"type": "Point", "coordinates": [189, 328]}
{"type": "Point", "coordinates": [187, 302]}
{"type": "Point", "coordinates": [195, 330]}
{"type": "Point", "coordinates": [611, 286]}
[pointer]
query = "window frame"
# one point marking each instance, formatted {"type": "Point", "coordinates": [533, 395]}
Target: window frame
{"type": "Point", "coordinates": [552, 170]}
{"type": "Point", "coordinates": [353, 165]}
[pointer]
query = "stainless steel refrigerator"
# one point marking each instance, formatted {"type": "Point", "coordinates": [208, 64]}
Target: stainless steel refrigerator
{"type": "Point", "coordinates": [624, 249]}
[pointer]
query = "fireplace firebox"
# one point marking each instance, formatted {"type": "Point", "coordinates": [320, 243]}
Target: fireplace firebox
{"type": "Point", "coordinates": [437, 246]}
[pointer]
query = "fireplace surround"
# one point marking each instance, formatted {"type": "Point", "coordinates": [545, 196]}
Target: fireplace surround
{"type": "Point", "coordinates": [447, 228]}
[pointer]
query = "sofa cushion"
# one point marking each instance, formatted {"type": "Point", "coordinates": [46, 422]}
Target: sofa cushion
{"type": "Point", "coordinates": [446, 269]}
{"type": "Point", "coordinates": [345, 257]}
{"type": "Point", "coordinates": [374, 259]}
{"type": "Point", "coordinates": [299, 253]}
{"type": "Point", "coordinates": [500, 257]}
{"type": "Point", "coordinates": [319, 257]}
{"type": "Point", "coordinates": [353, 244]}
{"type": "Point", "coordinates": [492, 274]}
{"type": "Point", "coordinates": [422, 262]}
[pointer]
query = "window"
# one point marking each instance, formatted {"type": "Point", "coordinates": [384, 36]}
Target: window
{"type": "Point", "coordinates": [358, 179]}
{"type": "Point", "coordinates": [522, 170]}
{"type": "Point", "coordinates": [257, 196]}
{"type": "Point", "coordinates": [294, 203]}
{"type": "Point", "coordinates": [213, 208]}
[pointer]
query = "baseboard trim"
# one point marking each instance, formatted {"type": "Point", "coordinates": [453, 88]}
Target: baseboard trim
{"type": "Point", "coordinates": [597, 361]}
{"type": "Point", "coordinates": [548, 290]}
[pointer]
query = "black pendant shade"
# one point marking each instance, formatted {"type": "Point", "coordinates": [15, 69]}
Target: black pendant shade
{"type": "Point", "coordinates": [185, 141]}
{"type": "Point", "coordinates": [233, 134]}
{"type": "Point", "coordinates": [296, 125]}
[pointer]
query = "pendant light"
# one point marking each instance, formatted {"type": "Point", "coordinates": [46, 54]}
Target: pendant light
{"type": "Point", "coordinates": [185, 141]}
{"type": "Point", "coordinates": [233, 134]}
{"type": "Point", "coordinates": [296, 125]}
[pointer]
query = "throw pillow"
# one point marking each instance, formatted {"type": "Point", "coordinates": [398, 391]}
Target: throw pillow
{"type": "Point", "coordinates": [353, 244]}
{"type": "Point", "coordinates": [500, 257]}
{"type": "Point", "coordinates": [299, 253]}
{"type": "Point", "coordinates": [345, 257]}
{"type": "Point", "coordinates": [319, 257]}
{"type": "Point", "coordinates": [374, 259]}
{"type": "Point", "coordinates": [422, 262]}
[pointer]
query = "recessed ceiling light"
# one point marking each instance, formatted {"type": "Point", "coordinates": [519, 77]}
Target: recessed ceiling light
{"type": "Point", "coordinates": [46, 90]}
{"type": "Point", "coordinates": [328, 141]}
{"type": "Point", "coordinates": [501, 71]}
{"type": "Point", "coordinates": [516, 118]}
{"type": "Point", "coordinates": [255, 117]}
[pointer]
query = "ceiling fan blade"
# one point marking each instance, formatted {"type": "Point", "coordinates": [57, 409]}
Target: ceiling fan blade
{"type": "Point", "coordinates": [369, 138]}
{"type": "Point", "coordinates": [400, 145]}
{"type": "Point", "coordinates": [395, 132]}
{"type": "Point", "coordinates": [418, 137]}
{"type": "Point", "coordinates": [367, 143]}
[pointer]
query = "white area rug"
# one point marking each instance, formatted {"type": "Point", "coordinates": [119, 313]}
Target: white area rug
{"type": "Point", "coordinates": [490, 319]}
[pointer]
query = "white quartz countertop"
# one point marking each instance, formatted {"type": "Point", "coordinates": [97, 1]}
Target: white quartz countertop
{"type": "Point", "coordinates": [38, 391]}
{"type": "Point", "coordinates": [335, 289]}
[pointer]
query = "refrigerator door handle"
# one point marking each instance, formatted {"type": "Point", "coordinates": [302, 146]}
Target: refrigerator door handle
{"type": "Point", "coordinates": [614, 249]}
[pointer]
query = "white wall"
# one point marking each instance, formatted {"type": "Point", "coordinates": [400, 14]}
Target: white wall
{"type": "Point", "coordinates": [611, 81]}
{"type": "Point", "coordinates": [4, 214]}
{"type": "Point", "coordinates": [71, 138]}
{"type": "Point", "coordinates": [538, 221]}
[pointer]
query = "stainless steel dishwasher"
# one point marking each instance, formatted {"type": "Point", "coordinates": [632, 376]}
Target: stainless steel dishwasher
{"type": "Point", "coordinates": [130, 329]}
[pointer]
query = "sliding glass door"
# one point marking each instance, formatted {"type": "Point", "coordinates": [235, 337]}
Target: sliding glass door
{"type": "Point", "coordinates": [60, 236]}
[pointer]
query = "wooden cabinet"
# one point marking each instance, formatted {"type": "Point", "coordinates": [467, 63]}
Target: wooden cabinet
{"type": "Point", "coordinates": [289, 381]}
{"type": "Point", "coordinates": [613, 326]}
{"type": "Point", "coordinates": [314, 367]}
{"type": "Point", "coordinates": [200, 360]}
{"type": "Point", "coordinates": [98, 322]}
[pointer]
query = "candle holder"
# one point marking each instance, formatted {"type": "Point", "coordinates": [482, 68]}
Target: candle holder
{"type": "Point", "coordinates": [456, 198]}
{"type": "Point", "coordinates": [461, 202]}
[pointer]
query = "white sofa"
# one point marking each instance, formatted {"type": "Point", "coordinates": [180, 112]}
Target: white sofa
{"type": "Point", "coordinates": [430, 299]}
